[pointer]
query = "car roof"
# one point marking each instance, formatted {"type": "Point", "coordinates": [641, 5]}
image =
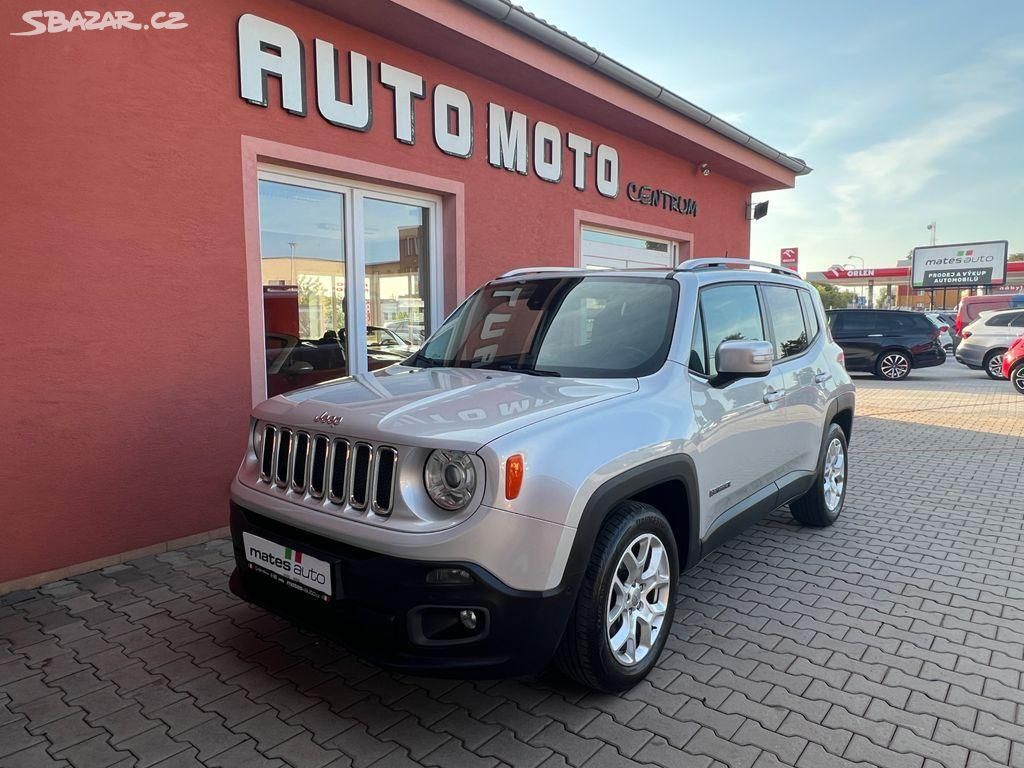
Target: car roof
{"type": "Point", "coordinates": [736, 269]}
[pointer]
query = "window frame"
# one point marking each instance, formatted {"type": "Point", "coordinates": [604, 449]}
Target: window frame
{"type": "Point", "coordinates": [354, 192]}
{"type": "Point", "coordinates": [771, 325]}
{"type": "Point", "coordinates": [700, 308]}
{"type": "Point", "coordinates": [817, 320]}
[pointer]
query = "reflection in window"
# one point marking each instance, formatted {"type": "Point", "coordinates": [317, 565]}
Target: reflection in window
{"type": "Point", "coordinates": [302, 254]}
{"type": "Point", "coordinates": [787, 320]}
{"type": "Point", "coordinates": [611, 250]}
{"type": "Point", "coordinates": [731, 313]}
{"type": "Point", "coordinates": [397, 247]}
{"type": "Point", "coordinates": [810, 315]}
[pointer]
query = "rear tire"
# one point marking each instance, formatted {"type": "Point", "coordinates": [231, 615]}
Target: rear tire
{"type": "Point", "coordinates": [893, 365]}
{"type": "Point", "coordinates": [628, 591]}
{"type": "Point", "coordinates": [994, 364]}
{"type": "Point", "coordinates": [822, 505]}
{"type": "Point", "coordinates": [1017, 377]}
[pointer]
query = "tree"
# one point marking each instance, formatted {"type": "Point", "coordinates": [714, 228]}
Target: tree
{"type": "Point", "coordinates": [1016, 257]}
{"type": "Point", "coordinates": [833, 298]}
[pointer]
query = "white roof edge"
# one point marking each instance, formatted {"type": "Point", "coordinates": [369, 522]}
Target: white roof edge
{"type": "Point", "coordinates": [523, 21]}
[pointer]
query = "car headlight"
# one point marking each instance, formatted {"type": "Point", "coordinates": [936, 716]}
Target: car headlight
{"type": "Point", "coordinates": [450, 478]}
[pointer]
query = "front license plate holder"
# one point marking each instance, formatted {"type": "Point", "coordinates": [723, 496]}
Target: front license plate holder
{"type": "Point", "coordinates": [298, 570]}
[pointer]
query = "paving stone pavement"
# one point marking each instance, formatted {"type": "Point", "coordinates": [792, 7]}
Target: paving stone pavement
{"type": "Point", "coordinates": [894, 638]}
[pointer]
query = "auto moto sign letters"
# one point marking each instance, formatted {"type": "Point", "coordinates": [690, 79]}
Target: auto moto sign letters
{"type": "Point", "coordinates": [966, 264]}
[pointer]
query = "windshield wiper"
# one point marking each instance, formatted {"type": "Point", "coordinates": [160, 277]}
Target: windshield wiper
{"type": "Point", "coordinates": [513, 369]}
{"type": "Point", "coordinates": [421, 361]}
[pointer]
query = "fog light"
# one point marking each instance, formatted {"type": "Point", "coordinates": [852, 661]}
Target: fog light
{"type": "Point", "coordinates": [468, 618]}
{"type": "Point", "coordinates": [449, 576]}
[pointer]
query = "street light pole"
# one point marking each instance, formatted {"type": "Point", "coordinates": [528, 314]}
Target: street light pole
{"type": "Point", "coordinates": [933, 229]}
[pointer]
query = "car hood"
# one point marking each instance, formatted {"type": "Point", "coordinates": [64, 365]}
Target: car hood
{"type": "Point", "coordinates": [458, 408]}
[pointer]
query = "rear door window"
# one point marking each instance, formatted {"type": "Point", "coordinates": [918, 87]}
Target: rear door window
{"type": "Point", "coordinates": [1018, 321]}
{"type": "Point", "coordinates": [858, 323]}
{"type": "Point", "coordinates": [787, 320]}
{"type": "Point", "coordinates": [810, 315]}
{"type": "Point", "coordinates": [1000, 320]}
{"type": "Point", "coordinates": [731, 312]}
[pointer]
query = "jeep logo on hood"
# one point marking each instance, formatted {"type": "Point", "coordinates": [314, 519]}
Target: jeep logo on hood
{"type": "Point", "coordinates": [327, 418]}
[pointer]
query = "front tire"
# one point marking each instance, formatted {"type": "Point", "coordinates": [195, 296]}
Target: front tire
{"type": "Point", "coordinates": [893, 365]}
{"type": "Point", "coordinates": [994, 364]}
{"type": "Point", "coordinates": [1017, 377]}
{"type": "Point", "coordinates": [626, 603]}
{"type": "Point", "coordinates": [822, 505]}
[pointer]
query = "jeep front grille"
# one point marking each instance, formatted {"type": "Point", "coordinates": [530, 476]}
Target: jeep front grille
{"type": "Point", "coordinates": [355, 474]}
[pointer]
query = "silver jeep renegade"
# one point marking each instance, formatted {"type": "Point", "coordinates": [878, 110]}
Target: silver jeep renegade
{"type": "Point", "coordinates": [531, 483]}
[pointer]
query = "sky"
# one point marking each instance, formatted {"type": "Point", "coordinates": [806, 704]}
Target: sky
{"type": "Point", "coordinates": [908, 112]}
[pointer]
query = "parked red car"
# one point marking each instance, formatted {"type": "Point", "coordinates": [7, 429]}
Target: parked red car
{"type": "Point", "coordinates": [1013, 364]}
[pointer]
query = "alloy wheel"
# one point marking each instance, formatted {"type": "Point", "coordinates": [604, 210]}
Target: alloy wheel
{"type": "Point", "coordinates": [995, 366]}
{"type": "Point", "coordinates": [833, 475]}
{"type": "Point", "coordinates": [638, 599]}
{"type": "Point", "coordinates": [1017, 376]}
{"type": "Point", "coordinates": [894, 366]}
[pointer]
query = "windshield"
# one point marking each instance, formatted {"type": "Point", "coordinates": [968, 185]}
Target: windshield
{"type": "Point", "coordinates": [591, 327]}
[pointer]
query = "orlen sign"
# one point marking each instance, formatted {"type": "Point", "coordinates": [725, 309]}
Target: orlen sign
{"type": "Point", "coordinates": [267, 49]}
{"type": "Point", "coordinates": [789, 257]}
{"type": "Point", "coordinates": [967, 264]}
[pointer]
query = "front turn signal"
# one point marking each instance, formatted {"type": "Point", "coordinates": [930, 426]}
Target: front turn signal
{"type": "Point", "coordinates": [513, 476]}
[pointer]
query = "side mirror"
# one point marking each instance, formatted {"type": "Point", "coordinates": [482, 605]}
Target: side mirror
{"type": "Point", "coordinates": [740, 359]}
{"type": "Point", "coordinates": [298, 368]}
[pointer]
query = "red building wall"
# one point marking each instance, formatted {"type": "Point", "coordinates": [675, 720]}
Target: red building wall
{"type": "Point", "coordinates": [123, 302]}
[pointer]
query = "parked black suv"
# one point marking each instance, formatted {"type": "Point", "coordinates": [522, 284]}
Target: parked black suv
{"type": "Point", "coordinates": [886, 342]}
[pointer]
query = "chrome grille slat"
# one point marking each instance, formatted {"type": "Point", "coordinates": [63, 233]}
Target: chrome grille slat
{"type": "Point", "coordinates": [283, 444]}
{"type": "Point", "coordinates": [338, 472]}
{"type": "Point", "coordinates": [361, 472]}
{"type": "Point", "coordinates": [298, 464]}
{"type": "Point", "coordinates": [384, 480]}
{"type": "Point", "coordinates": [345, 474]}
{"type": "Point", "coordinates": [267, 467]}
{"type": "Point", "coordinates": [318, 467]}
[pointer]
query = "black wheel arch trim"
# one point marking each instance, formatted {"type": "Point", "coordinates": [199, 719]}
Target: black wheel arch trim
{"type": "Point", "coordinates": [627, 485]}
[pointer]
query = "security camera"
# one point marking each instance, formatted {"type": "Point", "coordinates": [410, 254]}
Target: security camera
{"type": "Point", "coordinates": [705, 169]}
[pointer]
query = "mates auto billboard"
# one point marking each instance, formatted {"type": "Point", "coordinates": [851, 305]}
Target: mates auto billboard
{"type": "Point", "coordinates": [943, 266]}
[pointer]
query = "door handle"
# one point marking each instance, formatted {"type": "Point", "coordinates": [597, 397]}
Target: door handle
{"type": "Point", "coordinates": [774, 396]}
{"type": "Point", "coordinates": [874, 335]}
{"type": "Point", "coordinates": [821, 378]}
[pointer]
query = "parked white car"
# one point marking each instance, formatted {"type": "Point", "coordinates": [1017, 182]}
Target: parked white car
{"type": "Point", "coordinates": [987, 338]}
{"type": "Point", "coordinates": [945, 332]}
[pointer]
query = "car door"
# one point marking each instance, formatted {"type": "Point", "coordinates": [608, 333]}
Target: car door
{"type": "Point", "coordinates": [856, 332]}
{"type": "Point", "coordinates": [1002, 329]}
{"type": "Point", "coordinates": [736, 446]}
{"type": "Point", "coordinates": [794, 329]}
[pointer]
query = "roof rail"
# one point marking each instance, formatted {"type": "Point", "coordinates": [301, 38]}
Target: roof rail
{"type": "Point", "coordinates": [692, 264]}
{"type": "Point", "coordinates": [534, 270]}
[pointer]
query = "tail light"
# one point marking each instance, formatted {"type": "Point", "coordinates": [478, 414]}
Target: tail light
{"type": "Point", "coordinates": [967, 334]}
{"type": "Point", "coordinates": [943, 328]}
{"type": "Point", "coordinates": [841, 358]}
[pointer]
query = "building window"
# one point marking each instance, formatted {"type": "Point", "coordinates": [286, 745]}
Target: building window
{"type": "Point", "coordinates": [331, 252]}
{"type": "Point", "coordinates": [609, 249]}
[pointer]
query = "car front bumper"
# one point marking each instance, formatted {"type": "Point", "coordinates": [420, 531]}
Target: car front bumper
{"type": "Point", "coordinates": [383, 608]}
